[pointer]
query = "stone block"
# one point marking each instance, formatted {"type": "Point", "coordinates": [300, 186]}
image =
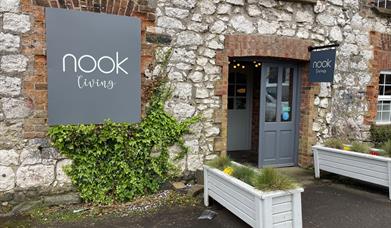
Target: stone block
{"type": "Point", "coordinates": [189, 4]}
{"type": "Point", "coordinates": [65, 199]}
{"type": "Point", "coordinates": [35, 176]}
{"type": "Point", "coordinates": [14, 63]}
{"type": "Point", "coordinates": [9, 157]}
{"type": "Point", "coordinates": [9, 42]}
{"type": "Point", "coordinates": [62, 178]}
{"type": "Point", "coordinates": [15, 108]}
{"type": "Point", "coordinates": [7, 178]}
{"type": "Point", "coordinates": [10, 86]}
{"type": "Point", "coordinates": [16, 22]}
{"type": "Point", "coordinates": [9, 5]}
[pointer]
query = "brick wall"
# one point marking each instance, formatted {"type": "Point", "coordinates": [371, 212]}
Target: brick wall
{"type": "Point", "coordinates": [33, 45]}
{"type": "Point", "coordinates": [269, 47]}
{"type": "Point", "coordinates": [381, 44]}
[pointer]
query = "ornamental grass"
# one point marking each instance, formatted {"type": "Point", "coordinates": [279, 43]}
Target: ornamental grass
{"type": "Point", "coordinates": [387, 148]}
{"type": "Point", "coordinates": [266, 179]}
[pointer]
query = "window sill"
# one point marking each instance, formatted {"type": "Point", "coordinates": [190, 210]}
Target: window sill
{"type": "Point", "coordinates": [382, 123]}
{"type": "Point", "coordinates": [301, 1]}
{"type": "Point", "coordinates": [382, 11]}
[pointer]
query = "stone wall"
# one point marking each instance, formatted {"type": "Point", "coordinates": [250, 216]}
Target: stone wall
{"type": "Point", "coordinates": [201, 32]}
{"type": "Point", "coordinates": [200, 28]}
{"type": "Point", "coordinates": [29, 167]}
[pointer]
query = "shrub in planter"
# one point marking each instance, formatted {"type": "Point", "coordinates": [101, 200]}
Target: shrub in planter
{"type": "Point", "coordinates": [334, 143]}
{"type": "Point", "coordinates": [360, 147]}
{"type": "Point", "coordinates": [219, 163]}
{"type": "Point", "coordinates": [260, 197]}
{"type": "Point", "coordinates": [267, 179]}
{"type": "Point", "coordinates": [387, 148]}
{"type": "Point", "coordinates": [244, 174]}
{"type": "Point", "coordinates": [380, 134]}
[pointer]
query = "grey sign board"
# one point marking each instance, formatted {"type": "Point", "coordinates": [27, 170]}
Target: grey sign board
{"type": "Point", "coordinates": [322, 65]}
{"type": "Point", "coordinates": [93, 65]}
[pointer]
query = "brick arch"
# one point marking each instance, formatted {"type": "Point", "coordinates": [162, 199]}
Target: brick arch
{"type": "Point", "coordinates": [119, 7]}
{"type": "Point", "coordinates": [269, 47]}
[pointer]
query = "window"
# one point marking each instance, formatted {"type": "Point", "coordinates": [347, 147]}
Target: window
{"type": "Point", "coordinates": [237, 91]}
{"type": "Point", "coordinates": [384, 99]}
{"type": "Point", "coordinates": [383, 4]}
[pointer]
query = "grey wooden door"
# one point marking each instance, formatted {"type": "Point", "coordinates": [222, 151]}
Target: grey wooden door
{"type": "Point", "coordinates": [278, 105]}
{"type": "Point", "coordinates": [239, 111]}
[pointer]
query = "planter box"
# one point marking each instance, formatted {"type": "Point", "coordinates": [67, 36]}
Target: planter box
{"type": "Point", "coordinates": [279, 209]}
{"type": "Point", "coordinates": [365, 167]}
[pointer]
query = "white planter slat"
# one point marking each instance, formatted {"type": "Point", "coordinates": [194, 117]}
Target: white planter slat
{"type": "Point", "coordinates": [259, 209]}
{"type": "Point", "coordinates": [365, 167]}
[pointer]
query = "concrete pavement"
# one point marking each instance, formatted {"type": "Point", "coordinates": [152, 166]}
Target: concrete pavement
{"type": "Point", "coordinates": [332, 202]}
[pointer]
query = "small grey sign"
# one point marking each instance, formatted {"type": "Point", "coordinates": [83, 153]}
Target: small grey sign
{"type": "Point", "coordinates": [322, 65]}
{"type": "Point", "coordinates": [93, 65]}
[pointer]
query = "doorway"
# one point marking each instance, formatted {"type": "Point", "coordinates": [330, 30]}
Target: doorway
{"type": "Point", "coordinates": [262, 112]}
{"type": "Point", "coordinates": [240, 111]}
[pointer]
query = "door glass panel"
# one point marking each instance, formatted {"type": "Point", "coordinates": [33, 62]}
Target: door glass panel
{"type": "Point", "coordinates": [231, 78]}
{"type": "Point", "coordinates": [287, 92]}
{"type": "Point", "coordinates": [271, 94]}
{"type": "Point", "coordinates": [240, 103]}
{"type": "Point", "coordinates": [241, 91]}
{"type": "Point", "coordinates": [230, 103]}
{"type": "Point", "coordinates": [237, 91]}
{"type": "Point", "coordinates": [231, 90]}
{"type": "Point", "coordinates": [240, 78]}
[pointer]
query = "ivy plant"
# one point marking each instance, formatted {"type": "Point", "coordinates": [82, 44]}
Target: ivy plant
{"type": "Point", "coordinates": [115, 162]}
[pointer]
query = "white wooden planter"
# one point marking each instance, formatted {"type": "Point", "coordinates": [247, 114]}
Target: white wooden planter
{"type": "Point", "coordinates": [365, 167]}
{"type": "Point", "coordinates": [278, 209]}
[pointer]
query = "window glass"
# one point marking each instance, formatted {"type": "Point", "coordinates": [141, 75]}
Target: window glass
{"type": "Point", "coordinates": [384, 99]}
{"type": "Point", "coordinates": [230, 103]}
{"type": "Point", "coordinates": [241, 78]}
{"type": "Point", "coordinates": [381, 90]}
{"type": "Point", "coordinates": [240, 103]}
{"type": "Point", "coordinates": [287, 92]}
{"type": "Point", "coordinates": [381, 80]}
{"type": "Point", "coordinates": [231, 78]}
{"type": "Point", "coordinates": [231, 90]}
{"type": "Point", "coordinates": [388, 79]}
{"type": "Point", "coordinates": [237, 89]}
{"type": "Point", "coordinates": [271, 94]}
{"type": "Point", "coordinates": [387, 90]}
{"type": "Point", "coordinates": [241, 91]}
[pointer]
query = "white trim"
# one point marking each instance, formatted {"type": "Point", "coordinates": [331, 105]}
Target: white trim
{"type": "Point", "coordinates": [384, 98]}
{"type": "Point", "coordinates": [385, 72]}
{"type": "Point", "coordinates": [379, 123]}
{"type": "Point", "coordinates": [357, 154]}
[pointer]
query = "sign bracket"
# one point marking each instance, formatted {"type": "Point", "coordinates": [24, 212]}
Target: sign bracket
{"type": "Point", "coordinates": [311, 48]}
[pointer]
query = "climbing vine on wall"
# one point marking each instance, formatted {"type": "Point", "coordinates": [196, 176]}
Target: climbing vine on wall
{"type": "Point", "coordinates": [115, 162]}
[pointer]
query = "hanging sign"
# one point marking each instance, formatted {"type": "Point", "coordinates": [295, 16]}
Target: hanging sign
{"type": "Point", "coordinates": [93, 65]}
{"type": "Point", "coordinates": [322, 65]}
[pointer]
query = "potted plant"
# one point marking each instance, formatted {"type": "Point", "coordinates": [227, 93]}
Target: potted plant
{"type": "Point", "coordinates": [362, 162]}
{"type": "Point", "coordinates": [261, 198]}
